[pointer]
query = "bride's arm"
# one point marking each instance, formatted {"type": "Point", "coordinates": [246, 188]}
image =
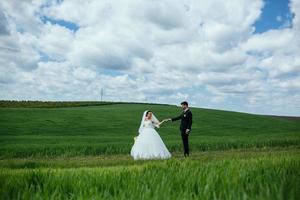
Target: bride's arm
{"type": "Point", "coordinates": [163, 121]}
{"type": "Point", "coordinates": [157, 125]}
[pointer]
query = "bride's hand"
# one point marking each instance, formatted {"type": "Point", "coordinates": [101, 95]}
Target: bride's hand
{"type": "Point", "coordinates": [162, 122]}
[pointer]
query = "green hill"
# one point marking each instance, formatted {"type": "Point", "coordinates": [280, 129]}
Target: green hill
{"type": "Point", "coordinates": [80, 150]}
{"type": "Point", "coordinates": [93, 128]}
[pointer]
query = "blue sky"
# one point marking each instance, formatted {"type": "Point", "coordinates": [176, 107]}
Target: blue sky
{"type": "Point", "coordinates": [275, 15]}
{"type": "Point", "coordinates": [69, 25]}
{"type": "Point", "coordinates": [244, 56]}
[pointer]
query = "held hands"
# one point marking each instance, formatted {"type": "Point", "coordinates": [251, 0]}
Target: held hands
{"type": "Point", "coordinates": [165, 120]}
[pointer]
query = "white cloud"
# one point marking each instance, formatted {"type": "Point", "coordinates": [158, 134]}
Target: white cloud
{"type": "Point", "coordinates": [205, 52]}
{"type": "Point", "coordinates": [55, 41]}
{"type": "Point", "coordinates": [270, 41]}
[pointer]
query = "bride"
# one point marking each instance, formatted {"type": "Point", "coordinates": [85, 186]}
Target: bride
{"type": "Point", "coordinates": [148, 144]}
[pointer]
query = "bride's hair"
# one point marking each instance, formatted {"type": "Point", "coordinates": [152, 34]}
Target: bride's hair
{"type": "Point", "coordinates": [148, 112]}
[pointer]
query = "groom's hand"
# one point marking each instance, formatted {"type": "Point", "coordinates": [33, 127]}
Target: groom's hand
{"type": "Point", "coordinates": [187, 131]}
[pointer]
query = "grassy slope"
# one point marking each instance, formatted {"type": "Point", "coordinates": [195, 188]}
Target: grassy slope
{"type": "Point", "coordinates": [78, 137]}
{"type": "Point", "coordinates": [95, 130]}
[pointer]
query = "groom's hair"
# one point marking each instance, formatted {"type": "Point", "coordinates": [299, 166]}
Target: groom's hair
{"type": "Point", "coordinates": [184, 103]}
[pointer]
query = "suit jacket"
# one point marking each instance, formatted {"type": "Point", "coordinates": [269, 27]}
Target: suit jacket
{"type": "Point", "coordinates": [186, 120]}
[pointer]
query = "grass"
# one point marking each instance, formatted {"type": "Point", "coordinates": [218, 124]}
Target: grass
{"type": "Point", "coordinates": [109, 129]}
{"type": "Point", "coordinates": [80, 150]}
{"type": "Point", "coordinates": [125, 159]}
{"type": "Point", "coordinates": [235, 175]}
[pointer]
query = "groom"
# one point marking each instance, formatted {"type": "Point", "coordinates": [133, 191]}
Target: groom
{"type": "Point", "coordinates": [185, 125]}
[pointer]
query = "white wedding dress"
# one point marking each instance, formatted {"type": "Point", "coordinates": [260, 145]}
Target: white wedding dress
{"type": "Point", "coordinates": [148, 144]}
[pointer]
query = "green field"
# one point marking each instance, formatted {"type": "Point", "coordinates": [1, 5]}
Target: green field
{"type": "Point", "coordinates": [80, 150]}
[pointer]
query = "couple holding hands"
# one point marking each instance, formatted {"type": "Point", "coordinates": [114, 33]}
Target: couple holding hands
{"type": "Point", "coordinates": [149, 145]}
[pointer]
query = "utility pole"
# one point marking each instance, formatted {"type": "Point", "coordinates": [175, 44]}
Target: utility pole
{"type": "Point", "coordinates": [101, 94]}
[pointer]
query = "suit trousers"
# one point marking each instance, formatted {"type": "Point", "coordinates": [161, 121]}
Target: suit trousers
{"type": "Point", "coordinates": [185, 141]}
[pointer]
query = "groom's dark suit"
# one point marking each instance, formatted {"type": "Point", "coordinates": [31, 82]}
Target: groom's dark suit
{"type": "Point", "coordinates": [186, 123]}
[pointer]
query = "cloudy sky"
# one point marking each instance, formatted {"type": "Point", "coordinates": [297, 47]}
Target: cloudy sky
{"type": "Point", "coordinates": [236, 55]}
